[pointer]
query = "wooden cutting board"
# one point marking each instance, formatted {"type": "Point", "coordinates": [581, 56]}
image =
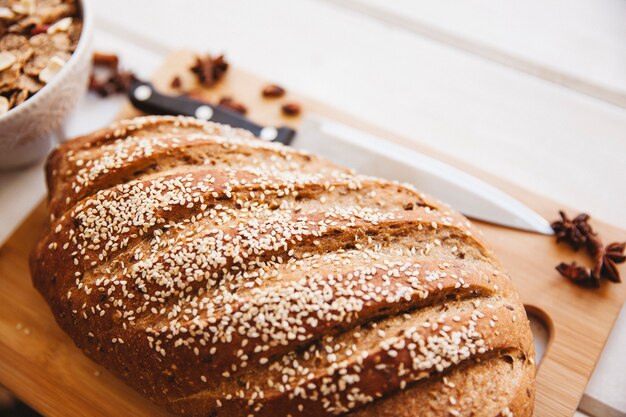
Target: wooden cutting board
{"type": "Point", "coordinates": [43, 367]}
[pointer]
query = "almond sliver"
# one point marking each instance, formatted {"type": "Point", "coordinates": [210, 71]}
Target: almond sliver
{"type": "Point", "coordinates": [6, 60]}
{"type": "Point", "coordinates": [52, 69]}
{"type": "Point", "coordinates": [61, 26]}
{"type": "Point", "coordinates": [6, 13]}
{"type": "Point", "coordinates": [25, 7]}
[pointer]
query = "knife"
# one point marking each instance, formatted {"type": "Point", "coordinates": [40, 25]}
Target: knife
{"type": "Point", "coordinates": [366, 154]}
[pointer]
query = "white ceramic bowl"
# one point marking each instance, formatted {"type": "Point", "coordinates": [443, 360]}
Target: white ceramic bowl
{"type": "Point", "coordinates": [28, 132]}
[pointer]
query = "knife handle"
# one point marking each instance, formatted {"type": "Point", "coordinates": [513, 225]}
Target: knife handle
{"type": "Point", "coordinates": [146, 98]}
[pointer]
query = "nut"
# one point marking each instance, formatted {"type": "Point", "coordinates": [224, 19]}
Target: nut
{"type": "Point", "coordinates": [233, 105]}
{"type": "Point", "coordinates": [291, 109]}
{"type": "Point", "coordinates": [110, 61]}
{"type": "Point", "coordinates": [273, 91]}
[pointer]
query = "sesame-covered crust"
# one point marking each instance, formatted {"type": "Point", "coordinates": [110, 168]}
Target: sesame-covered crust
{"type": "Point", "coordinates": [221, 275]}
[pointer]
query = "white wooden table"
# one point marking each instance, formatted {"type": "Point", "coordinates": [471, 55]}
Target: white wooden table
{"type": "Point", "coordinates": [533, 90]}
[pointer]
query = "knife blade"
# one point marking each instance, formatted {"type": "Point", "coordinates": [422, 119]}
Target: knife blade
{"type": "Point", "coordinates": [366, 154]}
{"type": "Point", "coordinates": [370, 155]}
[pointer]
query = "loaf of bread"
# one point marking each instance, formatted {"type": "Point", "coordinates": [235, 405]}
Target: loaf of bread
{"type": "Point", "coordinates": [221, 275]}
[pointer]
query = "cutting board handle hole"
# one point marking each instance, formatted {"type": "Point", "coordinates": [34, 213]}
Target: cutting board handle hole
{"type": "Point", "coordinates": [542, 329]}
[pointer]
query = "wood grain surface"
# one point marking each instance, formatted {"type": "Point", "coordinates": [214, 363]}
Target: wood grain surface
{"type": "Point", "coordinates": [42, 366]}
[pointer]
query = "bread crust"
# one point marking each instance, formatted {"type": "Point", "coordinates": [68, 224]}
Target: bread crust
{"type": "Point", "coordinates": [220, 275]}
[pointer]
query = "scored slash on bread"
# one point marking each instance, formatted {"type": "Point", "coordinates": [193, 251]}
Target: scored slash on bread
{"type": "Point", "coordinates": [221, 275]}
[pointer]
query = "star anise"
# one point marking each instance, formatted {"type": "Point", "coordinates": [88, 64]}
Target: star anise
{"type": "Point", "coordinates": [579, 275]}
{"type": "Point", "coordinates": [578, 233]}
{"type": "Point", "coordinates": [574, 232]}
{"type": "Point", "coordinates": [605, 258]}
{"type": "Point", "coordinates": [612, 255]}
{"type": "Point", "coordinates": [209, 70]}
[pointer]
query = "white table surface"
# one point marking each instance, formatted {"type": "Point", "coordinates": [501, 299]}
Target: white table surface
{"type": "Point", "coordinates": [528, 90]}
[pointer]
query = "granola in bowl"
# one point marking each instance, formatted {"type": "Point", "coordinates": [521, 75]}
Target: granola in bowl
{"type": "Point", "coordinates": [45, 55]}
{"type": "Point", "coordinates": [37, 38]}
